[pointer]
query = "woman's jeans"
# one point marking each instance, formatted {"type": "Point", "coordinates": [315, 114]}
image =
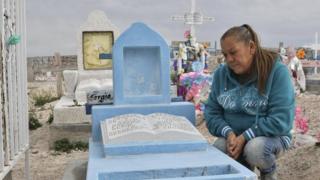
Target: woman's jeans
{"type": "Point", "coordinates": [260, 152]}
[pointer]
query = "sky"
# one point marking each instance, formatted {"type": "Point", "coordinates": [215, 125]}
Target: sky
{"type": "Point", "coordinates": [52, 25]}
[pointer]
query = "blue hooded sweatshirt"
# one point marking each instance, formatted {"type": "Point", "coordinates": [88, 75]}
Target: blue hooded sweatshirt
{"type": "Point", "coordinates": [240, 108]}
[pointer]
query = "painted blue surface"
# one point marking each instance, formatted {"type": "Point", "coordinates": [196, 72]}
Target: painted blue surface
{"type": "Point", "coordinates": [138, 80]}
{"type": "Point", "coordinates": [209, 164]}
{"type": "Point", "coordinates": [141, 67]}
{"type": "Point", "coordinates": [155, 147]}
{"type": "Point", "coordinates": [102, 112]}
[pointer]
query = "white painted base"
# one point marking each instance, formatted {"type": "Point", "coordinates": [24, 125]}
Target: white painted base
{"type": "Point", "coordinates": [66, 112]}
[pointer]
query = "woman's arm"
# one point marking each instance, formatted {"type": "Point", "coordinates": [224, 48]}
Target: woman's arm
{"type": "Point", "coordinates": [280, 113]}
{"type": "Point", "coordinates": [214, 112]}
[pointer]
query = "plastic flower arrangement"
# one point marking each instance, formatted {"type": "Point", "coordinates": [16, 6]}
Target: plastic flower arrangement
{"type": "Point", "coordinates": [198, 86]}
{"type": "Point", "coordinates": [301, 54]}
{"type": "Point", "coordinates": [301, 123]}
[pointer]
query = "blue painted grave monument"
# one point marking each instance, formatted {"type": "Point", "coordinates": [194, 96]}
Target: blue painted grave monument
{"type": "Point", "coordinates": [141, 78]}
{"type": "Point", "coordinates": [144, 135]}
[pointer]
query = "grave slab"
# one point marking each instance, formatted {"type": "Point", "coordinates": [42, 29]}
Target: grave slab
{"type": "Point", "coordinates": [209, 164]}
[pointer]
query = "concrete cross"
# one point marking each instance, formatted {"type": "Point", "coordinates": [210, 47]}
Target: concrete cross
{"type": "Point", "coordinates": [192, 18]}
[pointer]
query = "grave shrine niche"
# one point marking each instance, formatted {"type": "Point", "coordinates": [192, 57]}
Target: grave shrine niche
{"type": "Point", "coordinates": [137, 82]}
{"type": "Point", "coordinates": [97, 49]}
{"type": "Point", "coordinates": [141, 67]}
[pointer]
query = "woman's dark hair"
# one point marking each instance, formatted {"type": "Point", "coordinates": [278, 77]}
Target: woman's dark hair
{"type": "Point", "coordinates": [263, 59]}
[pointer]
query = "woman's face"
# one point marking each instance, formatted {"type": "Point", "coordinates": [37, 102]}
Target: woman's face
{"type": "Point", "coordinates": [238, 55]}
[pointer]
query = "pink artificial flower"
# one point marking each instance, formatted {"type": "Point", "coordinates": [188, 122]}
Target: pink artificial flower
{"type": "Point", "coordinates": [298, 110]}
{"type": "Point", "coordinates": [301, 123]}
{"type": "Point", "coordinates": [318, 137]}
{"type": "Point", "coordinates": [193, 91]}
{"type": "Point", "coordinates": [187, 34]}
{"type": "Point", "coordinates": [198, 107]}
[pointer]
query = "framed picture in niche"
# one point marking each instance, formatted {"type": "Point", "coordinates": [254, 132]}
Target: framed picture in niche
{"type": "Point", "coordinates": [97, 49]}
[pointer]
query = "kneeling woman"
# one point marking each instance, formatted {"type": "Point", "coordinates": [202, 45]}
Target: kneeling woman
{"type": "Point", "coordinates": [251, 103]}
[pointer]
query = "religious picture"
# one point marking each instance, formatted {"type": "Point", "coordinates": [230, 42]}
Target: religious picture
{"type": "Point", "coordinates": [97, 49]}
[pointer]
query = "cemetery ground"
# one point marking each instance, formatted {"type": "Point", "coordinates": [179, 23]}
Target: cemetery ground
{"type": "Point", "coordinates": [46, 164]}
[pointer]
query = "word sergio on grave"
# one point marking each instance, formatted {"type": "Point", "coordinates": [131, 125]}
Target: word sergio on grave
{"type": "Point", "coordinates": [99, 97]}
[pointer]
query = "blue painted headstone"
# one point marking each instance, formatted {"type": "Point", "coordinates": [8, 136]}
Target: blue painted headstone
{"type": "Point", "coordinates": [141, 78]}
{"type": "Point", "coordinates": [141, 67]}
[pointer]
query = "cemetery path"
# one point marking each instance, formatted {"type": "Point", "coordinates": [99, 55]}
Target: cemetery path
{"type": "Point", "coordinates": [304, 162]}
{"type": "Point", "coordinates": [45, 164]}
{"type": "Point", "coordinates": [299, 163]}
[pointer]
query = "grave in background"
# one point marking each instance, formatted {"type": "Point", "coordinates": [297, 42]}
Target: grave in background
{"type": "Point", "coordinates": [96, 38]}
{"type": "Point", "coordinates": [311, 69]}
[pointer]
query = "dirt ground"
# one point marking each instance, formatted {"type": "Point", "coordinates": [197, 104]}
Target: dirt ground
{"type": "Point", "coordinates": [298, 163]}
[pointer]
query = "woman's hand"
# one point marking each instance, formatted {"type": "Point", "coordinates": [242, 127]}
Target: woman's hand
{"type": "Point", "coordinates": [231, 144]}
{"type": "Point", "coordinates": [240, 142]}
{"type": "Point", "coordinates": [237, 148]}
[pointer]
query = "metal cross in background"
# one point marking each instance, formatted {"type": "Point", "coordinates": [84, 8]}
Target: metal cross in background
{"type": "Point", "coordinates": [316, 47]}
{"type": "Point", "coordinates": [192, 18]}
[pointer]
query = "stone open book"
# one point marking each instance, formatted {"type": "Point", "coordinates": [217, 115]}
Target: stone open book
{"type": "Point", "coordinates": [157, 132]}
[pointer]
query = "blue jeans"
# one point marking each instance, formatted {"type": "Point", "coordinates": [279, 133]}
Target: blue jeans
{"type": "Point", "coordinates": [260, 152]}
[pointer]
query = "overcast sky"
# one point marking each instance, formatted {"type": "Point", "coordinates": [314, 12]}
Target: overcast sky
{"type": "Point", "coordinates": [52, 25]}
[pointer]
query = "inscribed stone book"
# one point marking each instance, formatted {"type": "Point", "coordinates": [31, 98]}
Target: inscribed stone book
{"type": "Point", "coordinates": [147, 133]}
